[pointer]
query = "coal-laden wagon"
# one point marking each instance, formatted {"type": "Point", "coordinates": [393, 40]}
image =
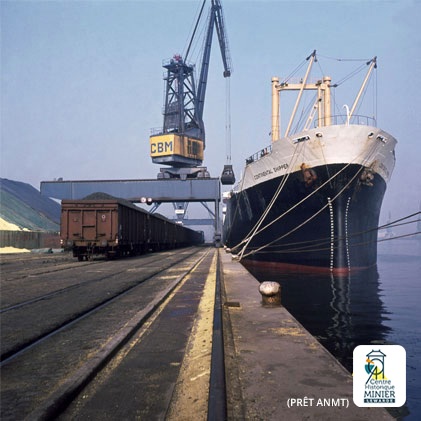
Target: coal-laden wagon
{"type": "Point", "coordinates": [116, 227]}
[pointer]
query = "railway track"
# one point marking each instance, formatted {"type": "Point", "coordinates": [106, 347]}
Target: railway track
{"type": "Point", "coordinates": [46, 271]}
{"type": "Point", "coordinates": [58, 348]}
{"type": "Point", "coordinates": [21, 266]}
{"type": "Point", "coordinates": [18, 268]}
{"type": "Point", "coordinates": [60, 307]}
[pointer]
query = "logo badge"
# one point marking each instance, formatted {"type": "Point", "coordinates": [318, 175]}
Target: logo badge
{"type": "Point", "coordinates": [379, 375]}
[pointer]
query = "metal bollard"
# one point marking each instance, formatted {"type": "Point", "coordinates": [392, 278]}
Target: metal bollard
{"type": "Point", "coordinates": [271, 294]}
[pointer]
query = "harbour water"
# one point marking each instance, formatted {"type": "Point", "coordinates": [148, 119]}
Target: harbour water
{"type": "Point", "coordinates": [376, 306]}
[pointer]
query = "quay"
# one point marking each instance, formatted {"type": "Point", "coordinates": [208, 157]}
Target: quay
{"type": "Point", "coordinates": [176, 335]}
{"type": "Point", "coordinates": [271, 359]}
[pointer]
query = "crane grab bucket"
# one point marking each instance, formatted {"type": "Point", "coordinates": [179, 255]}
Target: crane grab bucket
{"type": "Point", "coordinates": [227, 176]}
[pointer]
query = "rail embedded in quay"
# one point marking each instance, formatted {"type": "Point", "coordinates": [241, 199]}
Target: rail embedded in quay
{"type": "Point", "coordinates": [55, 404]}
{"type": "Point", "coordinates": [198, 340]}
{"type": "Point", "coordinates": [177, 272]}
{"type": "Point", "coordinates": [217, 408]}
{"type": "Point", "coordinates": [77, 316]}
{"type": "Point", "coordinates": [70, 266]}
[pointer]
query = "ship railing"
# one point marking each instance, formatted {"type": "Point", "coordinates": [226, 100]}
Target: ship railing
{"type": "Point", "coordinates": [340, 119]}
{"type": "Point", "coordinates": [336, 120]}
{"type": "Point", "coordinates": [260, 154]}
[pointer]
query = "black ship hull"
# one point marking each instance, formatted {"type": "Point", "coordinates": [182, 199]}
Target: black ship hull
{"type": "Point", "coordinates": [334, 229]}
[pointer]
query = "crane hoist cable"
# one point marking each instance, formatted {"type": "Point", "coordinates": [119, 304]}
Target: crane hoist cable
{"type": "Point", "coordinates": [183, 128]}
{"type": "Point", "coordinates": [228, 119]}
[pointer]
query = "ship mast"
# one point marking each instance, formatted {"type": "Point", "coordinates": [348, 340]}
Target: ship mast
{"type": "Point", "coordinates": [322, 105]}
{"type": "Point", "coordinates": [302, 86]}
{"type": "Point", "coordinates": [275, 109]}
{"type": "Point", "coordinates": [373, 65]}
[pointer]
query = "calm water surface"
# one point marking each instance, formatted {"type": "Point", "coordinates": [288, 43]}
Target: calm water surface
{"type": "Point", "coordinates": [377, 306]}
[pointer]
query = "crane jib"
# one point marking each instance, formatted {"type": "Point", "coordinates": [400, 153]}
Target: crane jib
{"type": "Point", "coordinates": [181, 140]}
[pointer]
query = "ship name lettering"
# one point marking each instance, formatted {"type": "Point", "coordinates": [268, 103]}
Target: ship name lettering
{"type": "Point", "coordinates": [281, 167]}
{"type": "Point", "coordinates": [263, 174]}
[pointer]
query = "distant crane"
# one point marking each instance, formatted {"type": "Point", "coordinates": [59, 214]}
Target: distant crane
{"type": "Point", "coordinates": [180, 143]}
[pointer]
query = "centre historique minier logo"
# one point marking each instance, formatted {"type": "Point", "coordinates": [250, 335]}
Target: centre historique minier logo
{"type": "Point", "coordinates": [379, 375]}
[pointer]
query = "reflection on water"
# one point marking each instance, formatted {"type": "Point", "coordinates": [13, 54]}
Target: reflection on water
{"type": "Point", "coordinates": [376, 306]}
{"type": "Point", "coordinates": [340, 311]}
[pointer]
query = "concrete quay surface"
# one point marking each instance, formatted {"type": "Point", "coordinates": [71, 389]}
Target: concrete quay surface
{"type": "Point", "coordinates": [167, 366]}
{"type": "Point", "coordinates": [270, 359]}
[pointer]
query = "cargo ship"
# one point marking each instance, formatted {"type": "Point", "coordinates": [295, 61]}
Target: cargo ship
{"type": "Point", "coordinates": [311, 200]}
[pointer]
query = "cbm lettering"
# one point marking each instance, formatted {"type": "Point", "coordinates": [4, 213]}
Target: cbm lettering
{"type": "Point", "coordinates": [161, 147]}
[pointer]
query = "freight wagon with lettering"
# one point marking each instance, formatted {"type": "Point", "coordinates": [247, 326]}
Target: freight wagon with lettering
{"type": "Point", "coordinates": [116, 227]}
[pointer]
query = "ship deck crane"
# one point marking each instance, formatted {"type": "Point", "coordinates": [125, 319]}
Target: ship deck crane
{"type": "Point", "coordinates": [180, 143]}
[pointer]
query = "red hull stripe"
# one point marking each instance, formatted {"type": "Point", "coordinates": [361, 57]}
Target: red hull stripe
{"type": "Point", "coordinates": [289, 267]}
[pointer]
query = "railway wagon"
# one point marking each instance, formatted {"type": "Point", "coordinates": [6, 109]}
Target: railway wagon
{"type": "Point", "coordinates": [115, 227]}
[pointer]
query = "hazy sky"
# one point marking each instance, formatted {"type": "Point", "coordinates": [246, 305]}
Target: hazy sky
{"type": "Point", "coordinates": [81, 81]}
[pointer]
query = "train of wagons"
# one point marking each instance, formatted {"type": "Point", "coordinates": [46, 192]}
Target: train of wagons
{"type": "Point", "coordinates": [115, 227]}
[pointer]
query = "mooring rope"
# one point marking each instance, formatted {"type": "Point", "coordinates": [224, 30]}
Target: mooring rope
{"type": "Point", "coordinates": [338, 247]}
{"type": "Point", "coordinates": [374, 147]}
{"type": "Point", "coordinates": [256, 232]}
{"type": "Point", "coordinates": [273, 200]}
{"type": "Point", "coordinates": [307, 220]}
{"type": "Point", "coordinates": [327, 240]}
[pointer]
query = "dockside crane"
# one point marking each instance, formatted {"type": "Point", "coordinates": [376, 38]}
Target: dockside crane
{"type": "Point", "coordinates": [180, 143]}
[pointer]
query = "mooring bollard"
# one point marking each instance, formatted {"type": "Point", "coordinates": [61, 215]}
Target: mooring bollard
{"type": "Point", "coordinates": [271, 294]}
{"type": "Point", "coordinates": [235, 257]}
